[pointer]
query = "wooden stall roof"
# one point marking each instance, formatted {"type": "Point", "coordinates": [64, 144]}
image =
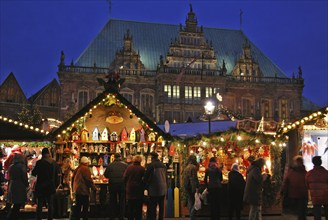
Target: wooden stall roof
{"type": "Point", "coordinates": [97, 100]}
{"type": "Point", "coordinates": [11, 130]}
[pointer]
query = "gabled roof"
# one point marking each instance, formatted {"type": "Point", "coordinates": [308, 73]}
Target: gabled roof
{"type": "Point", "coordinates": [18, 131]}
{"type": "Point", "coordinates": [103, 96]}
{"type": "Point", "coordinates": [153, 40]}
{"type": "Point", "coordinates": [41, 91]}
{"type": "Point", "coordinates": [12, 79]}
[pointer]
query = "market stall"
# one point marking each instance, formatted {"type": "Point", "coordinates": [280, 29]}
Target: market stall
{"type": "Point", "coordinates": [308, 137]}
{"type": "Point", "coordinates": [236, 146]}
{"type": "Point", "coordinates": [29, 141]}
{"type": "Point", "coordinates": [107, 125]}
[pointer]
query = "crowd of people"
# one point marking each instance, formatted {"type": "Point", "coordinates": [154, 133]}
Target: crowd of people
{"type": "Point", "coordinates": [296, 185]}
{"type": "Point", "coordinates": [128, 181]}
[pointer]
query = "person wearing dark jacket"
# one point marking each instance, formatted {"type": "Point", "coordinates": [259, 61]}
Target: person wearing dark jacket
{"type": "Point", "coordinates": [18, 183]}
{"type": "Point", "coordinates": [191, 184]}
{"type": "Point", "coordinates": [82, 182]}
{"type": "Point", "coordinates": [294, 186]}
{"type": "Point", "coordinates": [236, 186]}
{"type": "Point", "coordinates": [253, 189]}
{"type": "Point", "coordinates": [46, 170]}
{"type": "Point", "coordinates": [155, 180]}
{"type": "Point", "coordinates": [212, 180]}
{"type": "Point", "coordinates": [114, 172]}
{"type": "Point", "coordinates": [317, 182]}
{"type": "Point", "coordinates": [134, 187]}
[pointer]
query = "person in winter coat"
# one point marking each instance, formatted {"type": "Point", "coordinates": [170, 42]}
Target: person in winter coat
{"type": "Point", "coordinates": [18, 182]}
{"type": "Point", "coordinates": [155, 180]}
{"type": "Point", "coordinates": [82, 182]}
{"type": "Point", "coordinates": [317, 182]}
{"type": "Point", "coordinates": [191, 184]}
{"type": "Point", "coordinates": [295, 189]}
{"type": "Point", "coordinates": [114, 172]}
{"type": "Point", "coordinates": [212, 180]}
{"type": "Point", "coordinates": [46, 170]}
{"type": "Point", "coordinates": [236, 186]}
{"type": "Point", "coordinates": [253, 189]}
{"type": "Point", "coordinates": [134, 187]}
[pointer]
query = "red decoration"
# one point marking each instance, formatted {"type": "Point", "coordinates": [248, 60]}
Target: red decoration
{"type": "Point", "coordinates": [172, 150]}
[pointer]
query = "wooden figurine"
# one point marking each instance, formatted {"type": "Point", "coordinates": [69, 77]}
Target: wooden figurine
{"type": "Point", "coordinates": [75, 136]}
{"type": "Point", "coordinates": [142, 135]}
{"type": "Point", "coordinates": [152, 136]}
{"type": "Point", "coordinates": [132, 135]}
{"type": "Point", "coordinates": [95, 134]}
{"type": "Point", "coordinates": [124, 135]}
{"type": "Point", "coordinates": [113, 136]}
{"type": "Point", "coordinates": [160, 139]}
{"type": "Point", "coordinates": [84, 135]}
{"type": "Point", "coordinates": [104, 135]}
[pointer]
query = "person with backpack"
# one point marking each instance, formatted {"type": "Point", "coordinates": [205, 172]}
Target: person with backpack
{"type": "Point", "coordinates": [191, 184]}
{"type": "Point", "coordinates": [212, 180]}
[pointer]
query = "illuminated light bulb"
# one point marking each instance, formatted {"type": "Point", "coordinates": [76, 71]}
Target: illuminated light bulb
{"type": "Point", "coordinates": [302, 121]}
{"type": "Point", "coordinates": [57, 135]}
{"type": "Point", "coordinates": [268, 163]}
{"type": "Point", "coordinates": [237, 161]}
{"type": "Point", "coordinates": [10, 120]}
{"type": "Point", "coordinates": [257, 141]}
{"type": "Point", "coordinates": [5, 119]}
{"type": "Point", "coordinates": [15, 122]}
{"type": "Point", "coordinates": [315, 114]}
{"type": "Point", "coordinates": [306, 118]}
{"type": "Point", "coordinates": [204, 143]}
{"type": "Point", "coordinates": [222, 139]}
{"type": "Point", "coordinates": [26, 126]}
{"type": "Point", "coordinates": [297, 122]}
{"type": "Point", "coordinates": [239, 138]}
{"type": "Point", "coordinates": [273, 143]}
{"type": "Point", "coordinates": [284, 144]}
{"type": "Point", "coordinates": [293, 125]}
{"type": "Point", "coordinates": [37, 129]}
{"type": "Point", "coordinates": [285, 129]}
{"type": "Point", "coordinates": [31, 127]}
{"type": "Point", "coordinates": [289, 127]}
{"type": "Point", "coordinates": [64, 132]}
{"type": "Point", "coordinates": [319, 113]}
{"type": "Point", "coordinates": [280, 145]}
{"type": "Point", "coordinates": [311, 117]}
{"type": "Point", "coordinates": [21, 124]}
{"type": "Point", "coordinates": [191, 151]}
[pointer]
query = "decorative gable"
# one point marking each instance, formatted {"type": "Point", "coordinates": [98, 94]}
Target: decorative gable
{"type": "Point", "coordinates": [246, 67]}
{"type": "Point", "coordinates": [127, 58]}
{"type": "Point", "coordinates": [10, 91]}
{"type": "Point", "coordinates": [124, 135]}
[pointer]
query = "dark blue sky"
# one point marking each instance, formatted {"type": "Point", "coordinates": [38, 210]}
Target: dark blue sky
{"type": "Point", "coordinates": [290, 33]}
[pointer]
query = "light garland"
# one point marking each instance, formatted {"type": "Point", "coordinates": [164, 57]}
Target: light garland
{"type": "Point", "coordinates": [25, 126]}
{"type": "Point", "coordinates": [314, 116]}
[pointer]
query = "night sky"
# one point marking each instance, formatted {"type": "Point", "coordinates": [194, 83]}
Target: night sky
{"type": "Point", "coordinates": [290, 33]}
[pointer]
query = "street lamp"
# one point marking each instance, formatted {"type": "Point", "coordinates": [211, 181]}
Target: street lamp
{"type": "Point", "coordinates": [209, 110]}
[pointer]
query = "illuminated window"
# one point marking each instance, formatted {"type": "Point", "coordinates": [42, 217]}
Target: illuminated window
{"type": "Point", "coordinates": [188, 94]}
{"type": "Point", "coordinates": [197, 93]}
{"type": "Point", "coordinates": [167, 89]}
{"type": "Point", "coordinates": [208, 92]}
{"type": "Point", "coordinates": [176, 92]}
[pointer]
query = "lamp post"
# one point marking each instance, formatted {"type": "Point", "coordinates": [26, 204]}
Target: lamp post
{"type": "Point", "coordinates": [209, 110]}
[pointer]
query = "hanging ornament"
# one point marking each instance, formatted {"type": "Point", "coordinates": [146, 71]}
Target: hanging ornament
{"type": "Point", "coordinates": [124, 135]}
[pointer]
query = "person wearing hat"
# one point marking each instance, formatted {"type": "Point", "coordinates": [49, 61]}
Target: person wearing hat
{"type": "Point", "coordinates": [155, 180]}
{"type": "Point", "coordinates": [317, 182]}
{"type": "Point", "coordinates": [82, 182]}
{"type": "Point", "coordinates": [114, 172]}
{"type": "Point", "coordinates": [236, 186]}
{"type": "Point", "coordinates": [18, 183]}
{"type": "Point", "coordinates": [46, 170]}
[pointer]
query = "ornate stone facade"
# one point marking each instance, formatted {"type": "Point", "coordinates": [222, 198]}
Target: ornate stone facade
{"type": "Point", "coordinates": [185, 78]}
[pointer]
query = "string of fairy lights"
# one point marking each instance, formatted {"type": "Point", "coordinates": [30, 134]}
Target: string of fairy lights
{"type": "Point", "coordinates": [109, 100]}
{"type": "Point", "coordinates": [23, 125]}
